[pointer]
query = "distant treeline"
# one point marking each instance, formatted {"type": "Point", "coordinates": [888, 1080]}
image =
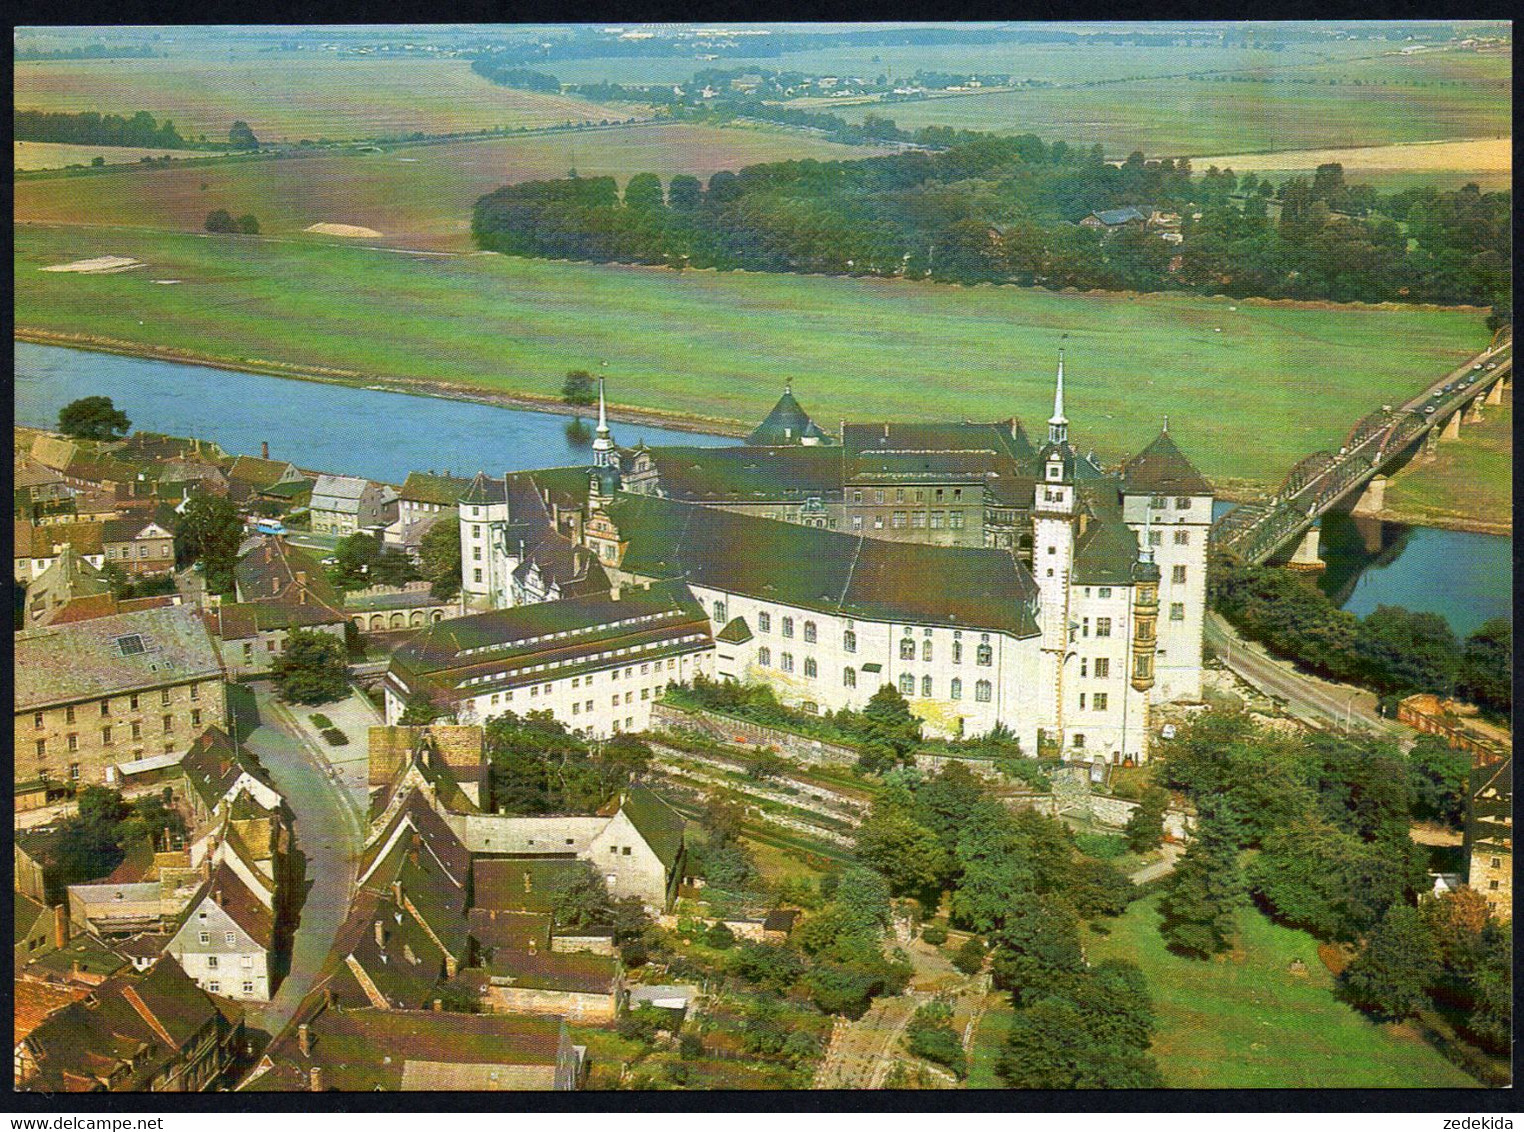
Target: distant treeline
{"type": "Point", "coordinates": [999, 209]}
{"type": "Point", "coordinates": [517, 77]}
{"type": "Point", "coordinates": [91, 128]}
{"type": "Point", "coordinates": [93, 51]}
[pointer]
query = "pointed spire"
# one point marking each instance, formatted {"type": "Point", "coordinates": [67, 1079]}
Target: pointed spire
{"type": "Point", "coordinates": [1058, 424]}
{"type": "Point", "coordinates": [603, 420]}
{"type": "Point", "coordinates": [603, 443]}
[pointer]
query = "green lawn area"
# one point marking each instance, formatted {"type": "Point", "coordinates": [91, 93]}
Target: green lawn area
{"type": "Point", "coordinates": [1248, 1023]}
{"type": "Point", "coordinates": [1472, 477]}
{"type": "Point", "coordinates": [989, 1037]}
{"type": "Point", "coordinates": [1234, 377]}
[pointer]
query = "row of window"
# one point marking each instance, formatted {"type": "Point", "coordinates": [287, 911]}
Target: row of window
{"type": "Point", "coordinates": [983, 689]}
{"type": "Point", "coordinates": [1156, 538]}
{"type": "Point", "coordinates": [578, 682]}
{"type": "Point", "coordinates": [916, 520]}
{"type": "Point", "coordinates": [939, 495]}
{"type": "Point", "coordinates": [1098, 701]}
{"type": "Point", "coordinates": [71, 740]}
{"type": "Point", "coordinates": [985, 654]}
{"type": "Point", "coordinates": [1158, 502]}
{"type": "Point", "coordinates": [166, 698]}
{"type": "Point", "coordinates": [214, 987]}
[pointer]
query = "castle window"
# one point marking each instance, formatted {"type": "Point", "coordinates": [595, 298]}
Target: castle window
{"type": "Point", "coordinates": [1100, 701]}
{"type": "Point", "coordinates": [1084, 667]}
{"type": "Point", "coordinates": [917, 520]}
{"type": "Point", "coordinates": [955, 689]}
{"type": "Point", "coordinates": [1155, 538]}
{"type": "Point", "coordinates": [1177, 575]}
{"type": "Point", "coordinates": [476, 575]}
{"type": "Point", "coordinates": [719, 612]}
{"type": "Point", "coordinates": [788, 626]}
{"type": "Point", "coordinates": [907, 684]}
{"type": "Point", "coordinates": [957, 493]}
{"type": "Point", "coordinates": [899, 495]}
{"type": "Point", "coordinates": [857, 497]}
{"type": "Point", "coordinates": [809, 632]}
{"type": "Point", "coordinates": [1177, 611]}
{"type": "Point", "coordinates": [1079, 742]}
{"type": "Point", "coordinates": [765, 621]}
{"type": "Point", "coordinates": [1102, 667]}
{"type": "Point", "coordinates": [1144, 667]}
{"type": "Point", "coordinates": [878, 496]}
{"type": "Point", "coordinates": [1156, 502]}
{"type": "Point", "coordinates": [982, 691]}
{"type": "Point", "coordinates": [926, 686]}
{"type": "Point", "coordinates": [907, 649]}
{"type": "Point", "coordinates": [849, 677]}
{"type": "Point", "coordinates": [955, 520]}
{"type": "Point", "coordinates": [926, 651]}
{"type": "Point", "coordinates": [878, 522]}
{"type": "Point", "coordinates": [1183, 503]}
{"type": "Point", "coordinates": [985, 656]}
{"type": "Point", "coordinates": [810, 669]}
{"type": "Point", "coordinates": [1103, 626]}
{"type": "Point", "coordinates": [786, 661]}
{"type": "Point", "coordinates": [1103, 592]}
{"type": "Point", "coordinates": [899, 520]}
{"type": "Point", "coordinates": [857, 522]}
{"type": "Point", "coordinates": [957, 652]}
{"type": "Point", "coordinates": [1182, 538]}
{"type": "Point", "coordinates": [849, 641]}
{"type": "Point", "coordinates": [937, 518]}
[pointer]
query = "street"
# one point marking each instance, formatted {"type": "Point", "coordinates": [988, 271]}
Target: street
{"type": "Point", "coordinates": [1305, 697]}
{"type": "Point", "coordinates": [327, 833]}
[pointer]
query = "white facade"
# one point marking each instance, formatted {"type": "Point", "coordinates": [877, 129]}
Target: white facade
{"type": "Point", "coordinates": [1178, 530]}
{"type": "Point", "coordinates": [222, 958]}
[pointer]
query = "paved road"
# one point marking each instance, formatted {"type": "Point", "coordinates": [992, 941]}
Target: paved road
{"type": "Point", "coordinates": [327, 833]}
{"type": "Point", "coordinates": [1305, 697]}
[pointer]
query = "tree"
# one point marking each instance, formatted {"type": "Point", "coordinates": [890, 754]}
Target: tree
{"type": "Point", "coordinates": [580, 900]}
{"type": "Point", "coordinates": [1200, 908]}
{"type": "Point", "coordinates": [1391, 976]}
{"type": "Point", "coordinates": [221, 220]}
{"type": "Point", "coordinates": [579, 388]}
{"type": "Point", "coordinates": [210, 532]}
{"type": "Point", "coordinates": [969, 958]}
{"type": "Point", "coordinates": [93, 418]}
{"type": "Point", "coordinates": [903, 850]}
{"type": "Point", "coordinates": [1050, 1046]}
{"type": "Point", "coordinates": [1038, 943]}
{"type": "Point", "coordinates": [1098, 888]}
{"type": "Point", "coordinates": [313, 669]}
{"type": "Point", "coordinates": [362, 562]}
{"type": "Point", "coordinates": [1485, 675]}
{"type": "Point", "coordinates": [1438, 776]}
{"type": "Point", "coordinates": [420, 710]}
{"type": "Point", "coordinates": [1455, 921]}
{"type": "Point", "coordinates": [248, 224]}
{"type": "Point", "coordinates": [1402, 651]}
{"type": "Point", "coordinates": [241, 137]}
{"type": "Point", "coordinates": [1145, 825]}
{"type": "Point", "coordinates": [684, 193]}
{"type": "Point", "coordinates": [643, 193]}
{"type": "Point", "coordinates": [439, 557]}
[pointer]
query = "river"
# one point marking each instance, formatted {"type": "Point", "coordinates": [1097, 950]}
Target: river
{"type": "Point", "coordinates": [384, 435]}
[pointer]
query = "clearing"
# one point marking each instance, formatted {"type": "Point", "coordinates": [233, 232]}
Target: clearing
{"type": "Point", "coordinates": [419, 195]}
{"type": "Point", "coordinates": [289, 99]}
{"type": "Point", "coordinates": [351, 231]}
{"type": "Point", "coordinates": [1487, 161]}
{"type": "Point", "coordinates": [1247, 1022]}
{"type": "Point", "coordinates": [722, 344]}
{"type": "Point", "coordinates": [99, 265]}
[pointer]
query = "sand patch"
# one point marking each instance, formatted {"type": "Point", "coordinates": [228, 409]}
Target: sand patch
{"type": "Point", "coordinates": [352, 231]}
{"type": "Point", "coordinates": [165, 282]}
{"type": "Point", "coordinates": [100, 265]}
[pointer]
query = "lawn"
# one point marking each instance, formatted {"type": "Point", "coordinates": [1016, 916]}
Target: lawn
{"type": "Point", "coordinates": [1469, 478]}
{"type": "Point", "coordinates": [1423, 97]}
{"type": "Point", "coordinates": [415, 195]}
{"type": "Point", "coordinates": [989, 1039]}
{"type": "Point", "coordinates": [285, 98]}
{"type": "Point", "coordinates": [1246, 1022]}
{"type": "Point", "coordinates": [722, 345]}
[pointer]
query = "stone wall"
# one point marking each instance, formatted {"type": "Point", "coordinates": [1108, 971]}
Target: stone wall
{"type": "Point", "coordinates": [574, 1006]}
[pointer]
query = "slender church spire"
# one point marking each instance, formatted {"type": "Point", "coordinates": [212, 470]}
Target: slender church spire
{"type": "Point", "coordinates": [1058, 424]}
{"type": "Point", "coordinates": [603, 443]}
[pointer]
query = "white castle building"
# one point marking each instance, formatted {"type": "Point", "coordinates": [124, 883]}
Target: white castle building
{"type": "Point", "coordinates": [993, 582]}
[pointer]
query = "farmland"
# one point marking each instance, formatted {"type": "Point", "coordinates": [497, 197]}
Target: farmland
{"type": "Point", "coordinates": [1389, 168]}
{"type": "Point", "coordinates": [1245, 1021]}
{"type": "Point", "coordinates": [291, 99]}
{"type": "Point", "coordinates": [1233, 377]}
{"type": "Point", "coordinates": [27, 156]}
{"type": "Point", "coordinates": [415, 195]}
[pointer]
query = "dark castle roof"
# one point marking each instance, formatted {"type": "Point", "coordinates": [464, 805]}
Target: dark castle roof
{"type": "Point", "coordinates": [786, 424]}
{"type": "Point", "coordinates": [1162, 469]}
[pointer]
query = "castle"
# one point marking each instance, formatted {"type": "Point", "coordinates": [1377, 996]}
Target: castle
{"type": "Point", "coordinates": [994, 582]}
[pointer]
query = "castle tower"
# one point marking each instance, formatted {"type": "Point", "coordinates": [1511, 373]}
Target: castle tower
{"type": "Point", "coordinates": [603, 442]}
{"type": "Point", "coordinates": [1054, 511]}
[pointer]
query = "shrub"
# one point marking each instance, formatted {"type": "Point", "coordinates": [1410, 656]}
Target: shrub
{"type": "Point", "coordinates": [969, 958]}
{"type": "Point", "coordinates": [335, 737]}
{"type": "Point", "coordinates": [934, 934]}
{"type": "Point", "coordinates": [320, 721]}
{"type": "Point", "coordinates": [720, 937]}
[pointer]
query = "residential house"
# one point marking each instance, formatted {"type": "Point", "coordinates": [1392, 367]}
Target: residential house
{"type": "Point", "coordinates": [91, 693]}
{"type": "Point", "coordinates": [1115, 219]}
{"type": "Point", "coordinates": [369, 1050]}
{"type": "Point", "coordinates": [36, 548]}
{"type": "Point", "coordinates": [139, 546]}
{"type": "Point", "coordinates": [35, 1001]}
{"type": "Point", "coordinates": [227, 941]}
{"type": "Point", "coordinates": [250, 475]}
{"type": "Point", "coordinates": [344, 505]}
{"type": "Point", "coordinates": [150, 1032]}
{"type": "Point", "coordinates": [83, 960]}
{"type": "Point", "coordinates": [579, 987]}
{"type": "Point", "coordinates": [1489, 837]}
{"type": "Point", "coordinates": [423, 500]}
{"type": "Point", "coordinates": [457, 750]}
{"type": "Point", "coordinates": [37, 928]}
{"type": "Point", "coordinates": [68, 579]}
{"type": "Point", "coordinates": [279, 587]}
{"type": "Point", "coordinates": [217, 772]}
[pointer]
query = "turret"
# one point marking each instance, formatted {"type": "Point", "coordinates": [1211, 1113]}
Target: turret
{"type": "Point", "coordinates": [603, 441]}
{"type": "Point", "coordinates": [1145, 613]}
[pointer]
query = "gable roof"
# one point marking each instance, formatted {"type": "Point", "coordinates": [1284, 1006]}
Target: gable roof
{"type": "Point", "coordinates": [213, 764]}
{"type": "Point", "coordinates": [749, 473]}
{"type": "Point", "coordinates": [276, 570]}
{"type": "Point", "coordinates": [579, 971]}
{"type": "Point", "coordinates": [522, 884]}
{"type": "Point", "coordinates": [657, 822]}
{"type": "Point", "coordinates": [736, 632]}
{"type": "Point", "coordinates": [1162, 469]}
{"type": "Point", "coordinates": [836, 573]}
{"type": "Point", "coordinates": [428, 487]}
{"type": "Point", "coordinates": [1113, 216]}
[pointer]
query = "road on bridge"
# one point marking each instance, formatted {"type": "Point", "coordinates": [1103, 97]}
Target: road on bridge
{"type": "Point", "coordinates": [1305, 697]}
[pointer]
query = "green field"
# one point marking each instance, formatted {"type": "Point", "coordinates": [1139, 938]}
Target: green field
{"type": "Point", "coordinates": [1240, 399]}
{"type": "Point", "coordinates": [988, 1040]}
{"type": "Point", "coordinates": [415, 195]}
{"type": "Point", "coordinates": [1246, 1022]}
{"type": "Point", "coordinates": [1469, 479]}
{"type": "Point", "coordinates": [286, 98]}
{"type": "Point", "coordinates": [1459, 95]}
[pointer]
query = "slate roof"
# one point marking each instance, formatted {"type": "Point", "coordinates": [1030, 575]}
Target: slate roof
{"type": "Point", "coordinates": [228, 891]}
{"type": "Point", "coordinates": [25, 914]}
{"type": "Point", "coordinates": [1114, 216]}
{"type": "Point", "coordinates": [660, 825]}
{"type": "Point", "coordinates": [47, 541]}
{"type": "Point", "coordinates": [212, 764]}
{"type": "Point", "coordinates": [787, 423]}
{"type": "Point", "coordinates": [749, 473]}
{"type": "Point", "coordinates": [485, 489]}
{"type": "Point", "coordinates": [1162, 469]}
{"type": "Point", "coordinates": [274, 570]}
{"type": "Point", "coordinates": [837, 573]}
{"type": "Point", "coordinates": [426, 487]}
{"type": "Point", "coordinates": [257, 472]}
{"type": "Point", "coordinates": [522, 884]}
{"type": "Point", "coordinates": [493, 929]}
{"type": "Point", "coordinates": [88, 954]}
{"type": "Point", "coordinates": [939, 439]}
{"type": "Point", "coordinates": [126, 652]}
{"type": "Point", "coordinates": [1104, 555]}
{"type": "Point", "coordinates": [1491, 816]}
{"type": "Point", "coordinates": [579, 971]}
{"type": "Point", "coordinates": [36, 1001]}
{"type": "Point", "coordinates": [736, 632]}
{"type": "Point", "coordinates": [368, 1049]}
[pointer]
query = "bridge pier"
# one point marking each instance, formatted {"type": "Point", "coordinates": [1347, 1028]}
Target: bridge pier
{"type": "Point", "coordinates": [1306, 557]}
{"type": "Point", "coordinates": [1473, 411]}
{"type": "Point", "coordinates": [1450, 430]}
{"type": "Point", "coordinates": [1373, 498]}
{"type": "Point", "coordinates": [1495, 393]}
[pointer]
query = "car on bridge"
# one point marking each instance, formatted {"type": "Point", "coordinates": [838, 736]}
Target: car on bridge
{"type": "Point", "coordinates": [1428, 410]}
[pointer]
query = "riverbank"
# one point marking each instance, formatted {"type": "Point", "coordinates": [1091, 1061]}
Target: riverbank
{"type": "Point", "coordinates": [420, 387]}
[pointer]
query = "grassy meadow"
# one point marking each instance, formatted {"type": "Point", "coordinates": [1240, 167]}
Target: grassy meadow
{"type": "Point", "coordinates": [1468, 480]}
{"type": "Point", "coordinates": [1236, 378]}
{"type": "Point", "coordinates": [31, 156]}
{"type": "Point", "coordinates": [1246, 1022]}
{"type": "Point", "coordinates": [415, 195]}
{"type": "Point", "coordinates": [1391, 168]}
{"type": "Point", "coordinates": [291, 98]}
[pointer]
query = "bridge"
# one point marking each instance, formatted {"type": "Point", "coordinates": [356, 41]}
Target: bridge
{"type": "Point", "coordinates": [1379, 442]}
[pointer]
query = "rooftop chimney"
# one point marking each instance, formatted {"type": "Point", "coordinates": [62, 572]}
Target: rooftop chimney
{"type": "Point", "coordinates": [438, 1005]}
{"type": "Point", "coordinates": [264, 449]}
{"type": "Point", "coordinates": [304, 1039]}
{"type": "Point", "coordinates": [380, 934]}
{"type": "Point", "coordinates": [61, 926]}
{"type": "Point", "coordinates": [397, 893]}
{"type": "Point", "coordinates": [316, 1079]}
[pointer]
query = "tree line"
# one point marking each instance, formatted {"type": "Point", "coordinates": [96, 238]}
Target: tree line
{"type": "Point", "coordinates": [1006, 210]}
{"type": "Point", "coordinates": [1393, 650]}
{"type": "Point", "coordinates": [90, 128]}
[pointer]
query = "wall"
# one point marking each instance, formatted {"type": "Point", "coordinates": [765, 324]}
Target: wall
{"type": "Point", "coordinates": [574, 1006]}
